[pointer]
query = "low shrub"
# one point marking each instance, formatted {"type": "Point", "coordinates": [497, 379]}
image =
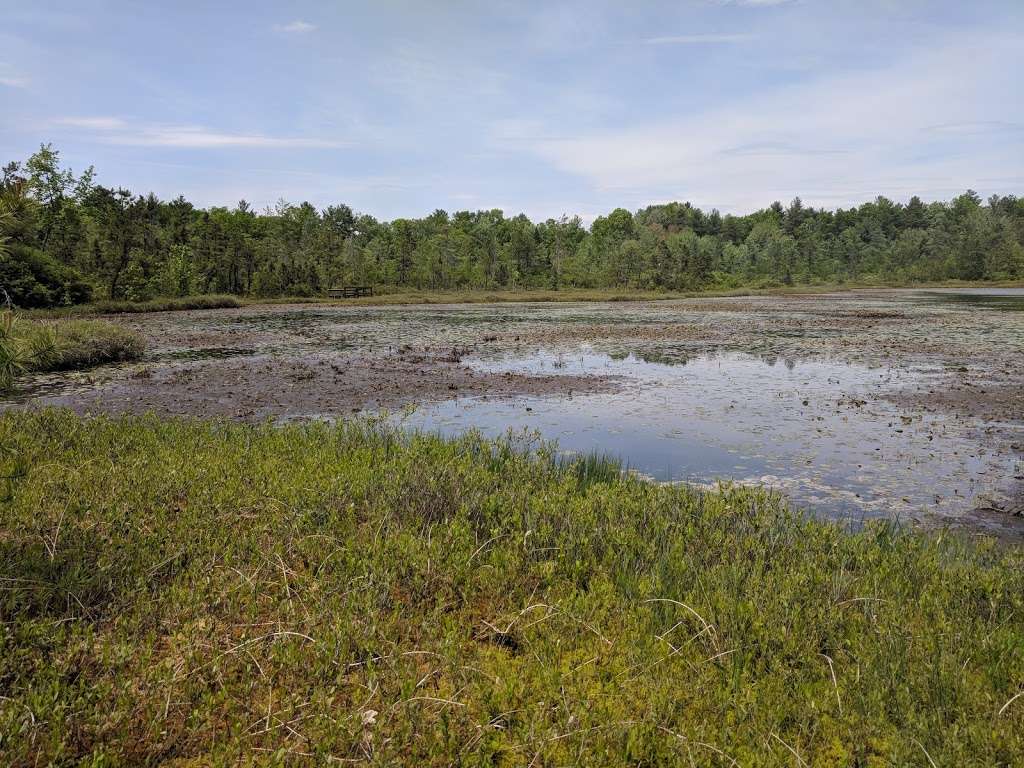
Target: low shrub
{"type": "Point", "coordinates": [207, 593]}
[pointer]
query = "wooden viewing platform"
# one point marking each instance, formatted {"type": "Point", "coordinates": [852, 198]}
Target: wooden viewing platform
{"type": "Point", "coordinates": [350, 291]}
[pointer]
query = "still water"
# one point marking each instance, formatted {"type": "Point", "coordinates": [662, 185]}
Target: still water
{"type": "Point", "coordinates": [828, 433]}
{"type": "Point", "coordinates": [816, 430]}
{"type": "Point", "coordinates": [888, 403]}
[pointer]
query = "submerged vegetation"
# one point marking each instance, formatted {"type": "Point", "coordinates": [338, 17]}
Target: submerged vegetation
{"type": "Point", "coordinates": [215, 593]}
{"type": "Point", "coordinates": [69, 240]}
{"type": "Point", "coordinates": [33, 345]}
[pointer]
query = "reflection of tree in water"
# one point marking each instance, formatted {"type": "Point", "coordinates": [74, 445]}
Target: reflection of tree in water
{"type": "Point", "coordinates": [1009, 301]}
{"type": "Point", "coordinates": [680, 358]}
{"type": "Point", "coordinates": [771, 359]}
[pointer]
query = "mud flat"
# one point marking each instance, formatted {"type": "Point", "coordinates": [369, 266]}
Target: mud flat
{"type": "Point", "coordinates": [905, 404]}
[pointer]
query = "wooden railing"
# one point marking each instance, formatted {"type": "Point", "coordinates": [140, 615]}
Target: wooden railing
{"type": "Point", "coordinates": [350, 291]}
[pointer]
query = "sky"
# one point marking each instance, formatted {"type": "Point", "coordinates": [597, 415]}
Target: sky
{"type": "Point", "coordinates": [398, 108]}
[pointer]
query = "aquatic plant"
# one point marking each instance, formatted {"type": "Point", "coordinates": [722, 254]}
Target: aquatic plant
{"type": "Point", "coordinates": [591, 468]}
{"type": "Point", "coordinates": [209, 593]}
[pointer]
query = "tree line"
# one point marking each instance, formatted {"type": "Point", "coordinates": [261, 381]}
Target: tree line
{"type": "Point", "coordinates": [65, 239]}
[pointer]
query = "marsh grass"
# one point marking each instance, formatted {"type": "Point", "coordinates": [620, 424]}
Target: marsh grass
{"type": "Point", "coordinates": [527, 295]}
{"type": "Point", "coordinates": [110, 307]}
{"type": "Point", "coordinates": [211, 301]}
{"type": "Point", "coordinates": [42, 345]}
{"type": "Point", "coordinates": [398, 295]}
{"type": "Point", "coordinates": [593, 468]}
{"type": "Point", "coordinates": [84, 343]}
{"type": "Point", "coordinates": [207, 593]}
{"type": "Point", "coordinates": [386, 296]}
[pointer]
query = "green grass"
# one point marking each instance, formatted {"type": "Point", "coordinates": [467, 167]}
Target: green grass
{"type": "Point", "coordinates": [61, 345]}
{"type": "Point", "coordinates": [429, 296]}
{"type": "Point", "coordinates": [206, 593]}
{"type": "Point", "coordinates": [389, 296]}
{"type": "Point", "coordinates": [85, 343]}
{"type": "Point", "coordinates": [410, 296]}
{"type": "Point", "coordinates": [108, 307]}
{"type": "Point", "coordinates": [212, 301]}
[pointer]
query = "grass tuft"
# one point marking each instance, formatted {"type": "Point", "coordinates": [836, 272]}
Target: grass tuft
{"type": "Point", "coordinates": [42, 345]}
{"type": "Point", "coordinates": [85, 343]}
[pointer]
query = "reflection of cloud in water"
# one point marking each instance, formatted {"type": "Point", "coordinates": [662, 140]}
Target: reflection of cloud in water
{"type": "Point", "coordinates": [817, 430]}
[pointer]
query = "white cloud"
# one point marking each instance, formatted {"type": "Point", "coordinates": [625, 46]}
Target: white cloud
{"type": "Point", "coordinates": [10, 77]}
{"type": "Point", "coordinates": [777, 149]}
{"type": "Point", "coordinates": [699, 39]}
{"type": "Point", "coordinates": [297, 27]}
{"type": "Point", "coordinates": [756, 3]}
{"type": "Point", "coordinates": [839, 139]}
{"type": "Point", "coordinates": [113, 130]}
{"type": "Point", "coordinates": [92, 123]}
{"type": "Point", "coordinates": [195, 137]}
{"type": "Point", "coordinates": [971, 128]}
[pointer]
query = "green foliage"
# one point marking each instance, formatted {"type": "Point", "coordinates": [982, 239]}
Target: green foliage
{"type": "Point", "coordinates": [30, 274]}
{"type": "Point", "coordinates": [135, 248]}
{"type": "Point", "coordinates": [176, 278]}
{"type": "Point", "coordinates": [32, 279]}
{"type": "Point", "coordinates": [180, 592]}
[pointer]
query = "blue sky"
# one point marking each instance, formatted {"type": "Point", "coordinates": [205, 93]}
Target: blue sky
{"type": "Point", "coordinates": [398, 108]}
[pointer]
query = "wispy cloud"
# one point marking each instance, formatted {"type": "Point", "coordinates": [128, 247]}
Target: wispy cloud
{"type": "Point", "coordinates": [297, 27]}
{"type": "Point", "coordinates": [92, 123]}
{"type": "Point", "coordinates": [196, 137]}
{"type": "Point", "coordinates": [10, 77]}
{"type": "Point", "coordinates": [777, 149]}
{"type": "Point", "coordinates": [972, 128]}
{"type": "Point", "coordinates": [699, 39]}
{"type": "Point", "coordinates": [756, 3]}
{"type": "Point", "coordinates": [114, 130]}
{"type": "Point", "coordinates": [771, 145]}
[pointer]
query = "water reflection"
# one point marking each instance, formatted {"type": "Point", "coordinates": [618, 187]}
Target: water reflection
{"type": "Point", "coordinates": [682, 358]}
{"type": "Point", "coordinates": [654, 364]}
{"type": "Point", "coordinates": [818, 430]}
{"type": "Point", "coordinates": [204, 353]}
{"type": "Point", "coordinates": [1003, 299]}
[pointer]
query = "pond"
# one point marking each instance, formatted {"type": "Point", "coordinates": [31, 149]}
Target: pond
{"type": "Point", "coordinates": [817, 430]}
{"type": "Point", "coordinates": [904, 404]}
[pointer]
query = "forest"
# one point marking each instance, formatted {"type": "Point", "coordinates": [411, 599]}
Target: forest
{"type": "Point", "coordinates": [64, 239]}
